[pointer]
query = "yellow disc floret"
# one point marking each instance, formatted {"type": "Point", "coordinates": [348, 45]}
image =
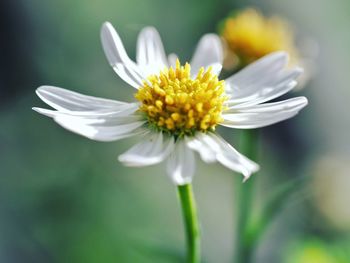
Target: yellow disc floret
{"type": "Point", "coordinates": [176, 103]}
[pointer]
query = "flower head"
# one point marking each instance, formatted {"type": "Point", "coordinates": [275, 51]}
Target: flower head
{"type": "Point", "coordinates": [178, 106]}
{"type": "Point", "coordinates": [249, 36]}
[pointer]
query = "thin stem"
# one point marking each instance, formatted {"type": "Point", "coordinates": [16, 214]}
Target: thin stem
{"type": "Point", "coordinates": [245, 192]}
{"type": "Point", "coordinates": [273, 206]}
{"type": "Point", "coordinates": [191, 222]}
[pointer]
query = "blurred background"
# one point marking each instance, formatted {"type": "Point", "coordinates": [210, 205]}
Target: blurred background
{"type": "Point", "coordinates": [64, 198]}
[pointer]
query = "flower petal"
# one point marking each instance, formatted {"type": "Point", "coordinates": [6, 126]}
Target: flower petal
{"type": "Point", "coordinates": [181, 164]}
{"type": "Point", "coordinates": [96, 117]}
{"type": "Point", "coordinates": [278, 85]}
{"type": "Point", "coordinates": [268, 64]}
{"type": "Point", "coordinates": [208, 53]}
{"type": "Point", "coordinates": [233, 160]}
{"type": "Point", "coordinates": [150, 54]}
{"type": "Point", "coordinates": [264, 114]}
{"type": "Point", "coordinates": [118, 58]}
{"type": "Point", "coordinates": [66, 100]}
{"type": "Point", "coordinates": [154, 148]}
{"type": "Point", "coordinates": [216, 68]}
{"type": "Point", "coordinates": [261, 81]}
{"type": "Point", "coordinates": [208, 155]}
{"type": "Point", "coordinates": [102, 132]}
{"type": "Point", "coordinates": [102, 125]}
{"type": "Point", "coordinates": [172, 60]}
{"type": "Point", "coordinates": [293, 104]}
{"type": "Point", "coordinates": [212, 147]}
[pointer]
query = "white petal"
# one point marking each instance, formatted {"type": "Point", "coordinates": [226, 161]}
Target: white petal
{"type": "Point", "coordinates": [275, 85]}
{"type": "Point", "coordinates": [206, 153]}
{"type": "Point", "coordinates": [233, 160]}
{"type": "Point", "coordinates": [172, 60]}
{"type": "Point", "coordinates": [264, 114]}
{"type": "Point", "coordinates": [154, 148]}
{"type": "Point", "coordinates": [181, 164]}
{"type": "Point", "coordinates": [261, 81]}
{"type": "Point", "coordinates": [98, 126]}
{"type": "Point", "coordinates": [125, 109]}
{"type": "Point", "coordinates": [293, 104]}
{"type": "Point", "coordinates": [267, 65]}
{"type": "Point", "coordinates": [150, 54]}
{"type": "Point", "coordinates": [65, 100]}
{"type": "Point", "coordinates": [213, 148]}
{"type": "Point", "coordinates": [95, 118]}
{"type": "Point", "coordinates": [216, 68]}
{"type": "Point", "coordinates": [100, 132]}
{"type": "Point", "coordinates": [118, 58]}
{"type": "Point", "coordinates": [252, 121]}
{"type": "Point", "coordinates": [207, 53]}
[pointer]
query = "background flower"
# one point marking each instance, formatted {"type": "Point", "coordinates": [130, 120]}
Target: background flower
{"type": "Point", "coordinates": [249, 35]}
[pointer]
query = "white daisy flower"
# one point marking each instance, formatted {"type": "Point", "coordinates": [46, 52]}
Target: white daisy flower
{"type": "Point", "coordinates": [178, 106]}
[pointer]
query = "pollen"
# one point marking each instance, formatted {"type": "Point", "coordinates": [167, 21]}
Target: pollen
{"type": "Point", "coordinates": [181, 104]}
{"type": "Point", "coordinates": [250, 35]}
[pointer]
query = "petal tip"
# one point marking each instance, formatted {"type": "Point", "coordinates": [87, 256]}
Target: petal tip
{"type": "Point", "coordinates": [303, 102]}
{"type": "Point", "coordinates": [40, 92]}
{"type": "Point", "coordinates": [45, 112]}
{"type": "Point", "coordinates": [121, 158]}
{"type": "Point", "coordinates": [45, 88]}
{"type": "Point", "coordinates": [150, 30]}
{"type": "Point", "coordinates": [280, 53]}
{"type": "Point", "coordinates": [40, 89]}
{"type": "Point", "coordinates": [299, 70]}
{"type": "Point", "coordinates": [106, 25]}
{"type": "Point", "coordinates": [107, 30]}
{"type": "Point", "coordinates": [212, 36]}
{"type": "Point", "coordinates": [255, 168]}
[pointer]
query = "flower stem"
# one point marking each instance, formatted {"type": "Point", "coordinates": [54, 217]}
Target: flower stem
{"type": "Point", "coordinates": [244, 248]}
{"type": "Point", "coordinates": [191, 222]}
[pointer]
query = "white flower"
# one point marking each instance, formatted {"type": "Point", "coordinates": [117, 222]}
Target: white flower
{"type": "Point", "coordinates": [178, 106]}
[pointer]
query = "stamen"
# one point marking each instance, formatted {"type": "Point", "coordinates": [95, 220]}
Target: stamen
{"type": "Point", "coordinates": [175, 103]}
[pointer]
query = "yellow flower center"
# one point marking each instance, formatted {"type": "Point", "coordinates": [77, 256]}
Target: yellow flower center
{"type": "Point", "coordinates": [176, 103]}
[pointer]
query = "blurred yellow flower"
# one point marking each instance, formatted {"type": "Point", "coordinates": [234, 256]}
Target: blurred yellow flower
{"type": "Point", "coordinates": [314, 254]}
{"type": "Point", "coordinates": [317, 251]}
{"type": "Point", "coordinates": [249, 36]}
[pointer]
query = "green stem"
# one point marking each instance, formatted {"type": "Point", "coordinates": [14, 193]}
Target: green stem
{"type": "Point", "coordinates": [244, 249]}
{"type": "Point", "coordinates": [191, 222]}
